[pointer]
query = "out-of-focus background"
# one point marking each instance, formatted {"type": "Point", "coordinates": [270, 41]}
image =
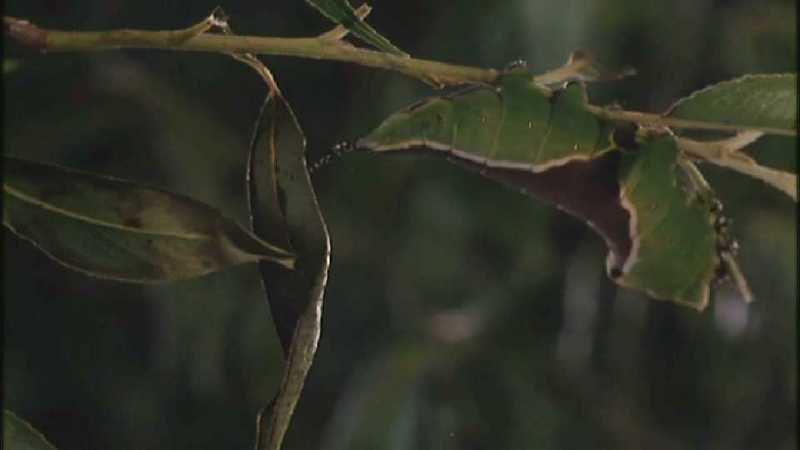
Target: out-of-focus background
{"type": "Point", "coordinates": [459, 314]}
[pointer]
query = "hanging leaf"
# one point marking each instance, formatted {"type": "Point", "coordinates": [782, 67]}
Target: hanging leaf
{"type": "Point", "coordinates": [760, 102]}
{"type": "Point", "coordinates": [284, 207]}
{"type": "Point", "coordinates": [20, 435]}
{"type": "Point", "coordinates": [112, 228]}
{"type": "Point", "coordinates": [342, 13]}
{"type": "Point", "coordinates": [550, 146]}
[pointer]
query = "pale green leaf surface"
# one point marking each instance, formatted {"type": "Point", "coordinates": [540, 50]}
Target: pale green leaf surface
{"type": "Point", "coordinates": [117, 229]}
{"type": "Point", "coordinates": [752, 101]}
{"type": "Point", "coordinates": [20, 435]}
{"type": "Point", "coordinates": [342, 13]}
{"type": "Point", "coordinates": [674, 254]}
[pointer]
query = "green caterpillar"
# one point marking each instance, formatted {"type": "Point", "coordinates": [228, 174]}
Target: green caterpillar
{"type": "Point", "coordinates": [661, 235]}
{"type": "Point", "coordinates": [515, 124]}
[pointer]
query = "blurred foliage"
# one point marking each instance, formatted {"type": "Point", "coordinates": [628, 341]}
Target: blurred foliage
{"type": "Point", "coordinates": [20, 435]}
{"type": "Point", "coordinates": [459, 314]}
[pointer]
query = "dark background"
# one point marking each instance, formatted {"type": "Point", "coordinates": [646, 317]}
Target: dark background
{"type": "Point", "coordinates": [459, 314]}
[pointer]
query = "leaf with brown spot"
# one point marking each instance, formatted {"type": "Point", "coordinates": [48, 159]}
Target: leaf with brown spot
{"type": "Point", "coordinates": [117, 229]}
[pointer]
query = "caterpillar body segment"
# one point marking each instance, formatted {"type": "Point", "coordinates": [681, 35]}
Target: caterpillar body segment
{"type": "Point", "coordinates": [514, 124]}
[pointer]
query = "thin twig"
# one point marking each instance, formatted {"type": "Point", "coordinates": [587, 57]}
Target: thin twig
{"type": "Point", "coordinates": [726, 153]}
{"type": "Point", "coordinates": [322, 48]}
{"type": "Point", "coordinates": [672, 122]}
{"type": "Point", "coordinates": [581, 65]}
{"type": "Point", "coordinates": [312, 48]}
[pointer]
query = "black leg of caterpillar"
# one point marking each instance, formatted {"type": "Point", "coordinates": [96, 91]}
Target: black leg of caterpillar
{"type": "Point", "coordinates": [722, 224]}
{"type": "Point", "coordinates": [727, 248]}
{"type": "Point", "coordinates": [716, 206]}
{"type": "Point", "coordinates": [624, 136]}
{"type": "Point", "coordinates": [333, 154]}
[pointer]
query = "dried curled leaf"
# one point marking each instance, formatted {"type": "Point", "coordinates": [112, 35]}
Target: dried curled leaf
{"type": "Point", "coordinates": [284, 207]}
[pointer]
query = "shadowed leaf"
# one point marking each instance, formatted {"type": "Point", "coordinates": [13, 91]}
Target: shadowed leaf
{"type": "Point", "coordinates": [112, 228]}
{"type": "Point", "coordinates": [20, 435]}
{"type": "Point", "coordinates": [284, 208]}
{"type": "Point", "coordinates": [752, 101]}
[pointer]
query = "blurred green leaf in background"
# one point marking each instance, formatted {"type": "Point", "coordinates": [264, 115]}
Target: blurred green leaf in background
{"type": "Point", "coordinates": [20, 435]}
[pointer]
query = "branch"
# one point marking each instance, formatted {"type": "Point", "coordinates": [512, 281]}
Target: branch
{"type": "Point", "coordinates": [321, 48]}
{"type": "Point", "coordinates": [672, 122]}
{"type": "Point", "coordinates": [313, 48]}
{"type": "Point", "coordinates": [727, 153]}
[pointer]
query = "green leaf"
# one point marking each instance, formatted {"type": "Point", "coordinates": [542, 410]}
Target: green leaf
{"type": "Point", "coordinates": [760, 102]}
{"type": "Point", "coordinates": [674, 239]}
{"type": "Point", "coordinates": [112, 228]}
{"type": "Point", "coordinates": [342, 13]}
{"type": "Point", "coordinates": [20, 435]}
{"type": "Point", "coordinates": [284, 208]}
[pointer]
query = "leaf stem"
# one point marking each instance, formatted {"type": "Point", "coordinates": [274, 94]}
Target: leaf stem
{"type": "Point", "coordinates": [659, 120]}
{"type": "Point", "coordinates": [725, 154]}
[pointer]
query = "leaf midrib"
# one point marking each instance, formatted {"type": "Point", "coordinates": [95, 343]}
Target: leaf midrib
{"type": "Point", "coordinates": [49, 207]}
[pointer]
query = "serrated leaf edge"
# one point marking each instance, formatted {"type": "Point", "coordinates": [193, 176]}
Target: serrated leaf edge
{"type": "Point", "coordinates": [710, 87]}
